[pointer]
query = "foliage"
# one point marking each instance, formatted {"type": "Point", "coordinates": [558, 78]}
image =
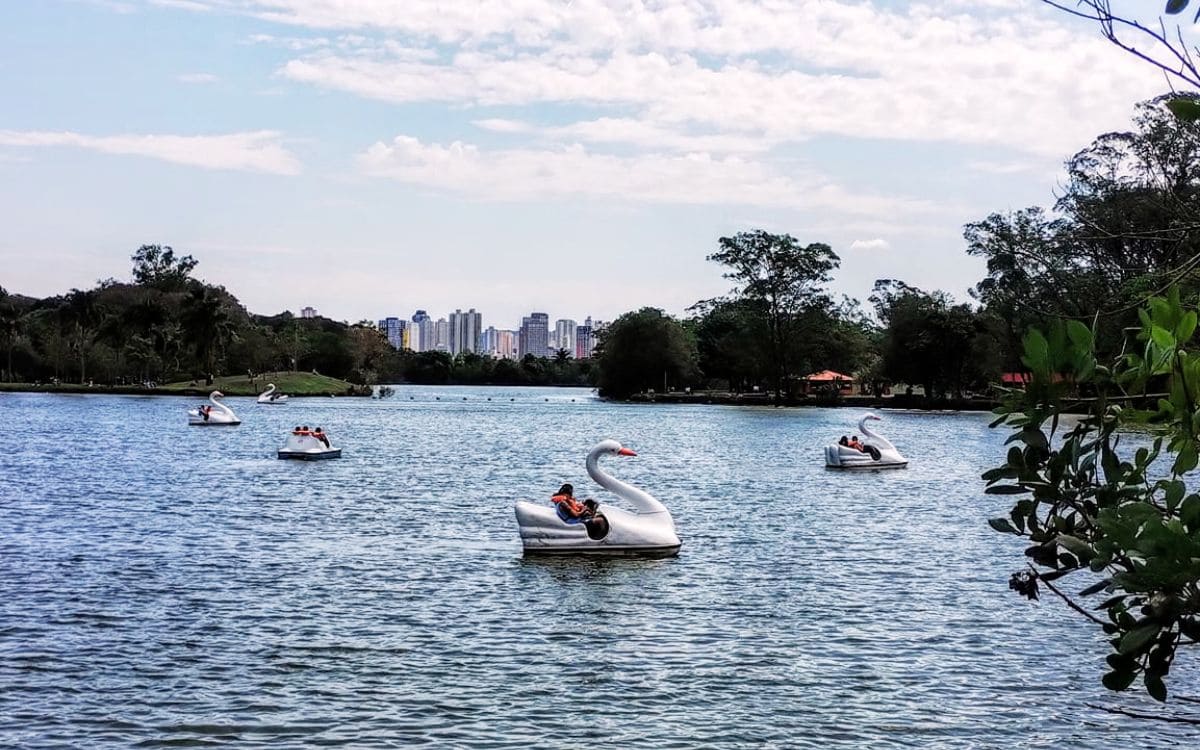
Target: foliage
{"type": "Point", "coordinates": [156, 266]}
{"type": "Point", "coordinates": [931, 341]}
{"type": "Point", "coordinates": [1123, 229]}
{"type": "Point", "coordinates": [1128, 524]}
{"type": "Point", "coordinates": [782, 280]}
{"type": "Point", "coordinates": [644, 350]}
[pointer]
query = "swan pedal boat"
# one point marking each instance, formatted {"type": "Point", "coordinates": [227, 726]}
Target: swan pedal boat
{"type": "Point", "coordinates": [645, 531]}
{"type": "Point", "coordinates": [879, 453]}
{"type": "Point", "coordinates": [219, 414]}
{"type": "Point", "coordinates": [307, 448]}
{"type": "Point", "coordinates": [269, 396]}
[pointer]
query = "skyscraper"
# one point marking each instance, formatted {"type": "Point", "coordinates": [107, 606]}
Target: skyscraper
{"type": "Point", "coordinates": [585, 340]}
{"type": "Point", "coordinates": [395, 330]}
{"type": "Point", "coordinates": [421, 336]}
{"type": "Point", "coordinates": [534, 337]}
{"type": "Point", "coordinates": [465, 328]}
{"type": "Point", "coordinates": [441, 336]}
{"type": "Point", "coordinates": [564, 337]}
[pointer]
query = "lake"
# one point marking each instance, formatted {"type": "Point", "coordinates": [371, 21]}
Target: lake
{"type": "Point", "coordinates": [162, 585]}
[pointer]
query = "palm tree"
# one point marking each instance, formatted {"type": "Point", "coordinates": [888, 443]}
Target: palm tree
{"type": "Point", "coordinates": [208, 325]}
{"type": "Point", "coordinates": [78, 318]}
{"type": "Point", "coordinates": [11, 325]}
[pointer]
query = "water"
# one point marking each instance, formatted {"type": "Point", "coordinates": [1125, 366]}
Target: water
{"type": "Point", "coordinates": [162, 585]}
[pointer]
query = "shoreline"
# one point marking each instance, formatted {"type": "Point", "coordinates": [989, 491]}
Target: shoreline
{"type": "Point", "coordinates": [137, 390]}
{"type": "Point", "coordinates": [900, 401]}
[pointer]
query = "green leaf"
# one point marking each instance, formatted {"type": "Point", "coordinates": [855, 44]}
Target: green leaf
{"type": "Point", "coordinates": [1175, 6]}
{"type": "Point", "coordinates": [1006, 489]}
{"type": "Point", "coordinates": [1118, 681]}
{"type": "Point", "coordinates": [1037, 351]}
{"type": "Point", "coordinates": [1186, 460]}
{"type": "Point", "coordinates": [1186, 327]}
{"type": "Point", "coordinates": [1096, 587]}
{"type": "Point", "coordinates": [1155, 686]}
{"type": "Point", "coordinates": [1002, 525]}
{"type": "Point", "coordinates": [1162, 338]}
{"type": "Point", "coordinates": [1080, 335]}
{"type": "Point", "coordinates": [1136, 639]}
{"type": "Point", "coordinates": [1081, 548]}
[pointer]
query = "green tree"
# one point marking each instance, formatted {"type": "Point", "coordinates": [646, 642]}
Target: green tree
{"type": "Point", "coordinates": [642, 350]}
{"type": "Point", "coordinates": [784, 277]}
{"type": "Point", "coordinates": [157, 266]}
{"type": "Point", "coordinates": [79, 317]}
{"type": "Point", "coordinates": [208, 327]}
{"type": "Point", "coordinates": [1124, 521]}
{"type": "Point", "coordinates": [10, 330]}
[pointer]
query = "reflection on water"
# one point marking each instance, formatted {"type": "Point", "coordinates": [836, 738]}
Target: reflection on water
{"type": "Point", "coordinates": [164, 585]}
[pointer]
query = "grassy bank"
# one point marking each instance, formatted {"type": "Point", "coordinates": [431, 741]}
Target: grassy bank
{"type": "Point", "coordinates": [290, 383]}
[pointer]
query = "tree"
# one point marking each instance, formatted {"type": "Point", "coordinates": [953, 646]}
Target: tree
{"type": "Point", "coordinates": [784, 277]}
{"type": "Point", "coordinates": [208, 326]}
{"type": "Point", "coordinates": [10, 330]}
{"type": "Point", "coordinates": [931, 341]}
{"type": "Point", "coordinates": [156, 266]}
{"type": "Point", "coordinates": [78, 316]}
{"type": "Point", "coordinates": [1127, 524]}
{"type": "Point", "coordinates": [642, 350]}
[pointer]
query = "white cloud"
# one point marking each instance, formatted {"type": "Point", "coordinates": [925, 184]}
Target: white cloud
{"type": "Point", "coordinates": [874, 244]}
{"type": "Point", "coordinates": [198, 78]}
{"type": "Point", "coordinates": [697, 178]}
{"type": "Point", "coordinates": [259, 151]}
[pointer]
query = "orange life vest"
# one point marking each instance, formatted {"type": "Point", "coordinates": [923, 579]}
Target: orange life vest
{"type": "Point", "coordinates": [573, 506]}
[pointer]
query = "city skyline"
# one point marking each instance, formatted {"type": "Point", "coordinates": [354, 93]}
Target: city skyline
{"type": "Point", "coordinates": [349, 154]}
{"type": "Point", "coordinates": [460, 332]}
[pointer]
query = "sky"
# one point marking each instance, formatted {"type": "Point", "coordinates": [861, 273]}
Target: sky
{"type": "Point", "coordinates": [577, 157]}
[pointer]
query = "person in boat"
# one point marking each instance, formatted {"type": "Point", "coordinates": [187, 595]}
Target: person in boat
{"type": "Point", "coordinates": [320, 435]}
{"type": "Point", "coordinates": [844, 441]}
{"type": "Point", "coordinates": [205, 410]}
{"type": "Point", "coordinates": [568, 508]}
{"type": "Point", "coordinates": [855, 444]}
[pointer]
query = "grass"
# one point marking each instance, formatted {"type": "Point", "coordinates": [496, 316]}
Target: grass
{"type": "Point", "coordinates": [288, 383]}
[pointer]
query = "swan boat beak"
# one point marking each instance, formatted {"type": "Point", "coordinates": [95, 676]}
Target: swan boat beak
{"type": "Point", "coordinates": [625, 452]}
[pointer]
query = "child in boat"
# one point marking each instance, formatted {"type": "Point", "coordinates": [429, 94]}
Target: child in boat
{"type": "Point", "coordinates": [568, 508]}
{"type": "Point", "coordinates": [855, 444]}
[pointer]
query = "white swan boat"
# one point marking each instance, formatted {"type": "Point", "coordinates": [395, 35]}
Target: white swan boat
{"type": "Point", "coordinates": [269, 396]}
{"type": "Point", "coordinates": [877, 453]}
{"type": "Point", "coordinates": [213, 414]}
{"type": "Point", "coordinates": [647, 529]}
{"type": "Point", "coordinates": [308, 446]}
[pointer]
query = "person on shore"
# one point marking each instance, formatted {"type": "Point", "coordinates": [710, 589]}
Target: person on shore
{"type": "Point", "coordinates": [568, 508]}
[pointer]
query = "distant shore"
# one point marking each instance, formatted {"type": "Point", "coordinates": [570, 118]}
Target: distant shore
{"type": "Point", "coordinates": [898, 401]}
{"type": "Point", "coordinates": [293, 384]}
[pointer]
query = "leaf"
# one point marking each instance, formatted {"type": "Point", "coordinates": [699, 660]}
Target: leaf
{"type": "Point", "coordinates": [1186, 460]}
{"type": "Point", "coordinates": [1096, 587]}
{"type": "Point", "coordinates": [1175, 6]}
{"type": "Point", "coordinates": [1155, 686]}
{"type": "Point", "coordinates": [1136, 639]}
{"type": "Point", "coordinates": [1037, 351]}
{"type": "Point", "coordinates": [1082, 549]}
{"type": "Point", "coordinates": [1002, 525]}
{"type": "Point", "coordinates": [1162, 338]}
{"type": "Point", "coordinates": [1186, 327]}
{"type": "Point", "coordinates": [1006, 489]}
{"type": "Point", "coordinates": [1118, 681]}
{"type": "Point", "coordinates": [1080, 335]}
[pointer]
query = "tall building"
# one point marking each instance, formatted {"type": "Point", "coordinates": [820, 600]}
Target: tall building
{"type": "Point", "coordinates": [396, 330]}
{"type": "Point", "coordinates": [441, 336]}
{"type": "Point", "coordinates": [421, 333]}
{"type": "Point", "coordinates": [308, 312]}
{"type": "Point", "coordinates": [465, 328]}
{"type": "Point", "coordinates": [585, 340]}
{"type": "Point", "coordinates": [534, 336]}
{"type": "Point", "coordinates": [498, 343]}
{"type": "Point", "coordinates": [564, 337]}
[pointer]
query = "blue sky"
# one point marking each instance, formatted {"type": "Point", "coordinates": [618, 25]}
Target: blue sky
{"type": "Point", "coordinates": [579, 157]}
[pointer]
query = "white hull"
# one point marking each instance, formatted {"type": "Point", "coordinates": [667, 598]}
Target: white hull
{"type": "Point", "coordinates": [307, 448]}
{"type": "Point", "coordinates": [543, 532]}
{"type": "Point", "coordinates": [878, 453]}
